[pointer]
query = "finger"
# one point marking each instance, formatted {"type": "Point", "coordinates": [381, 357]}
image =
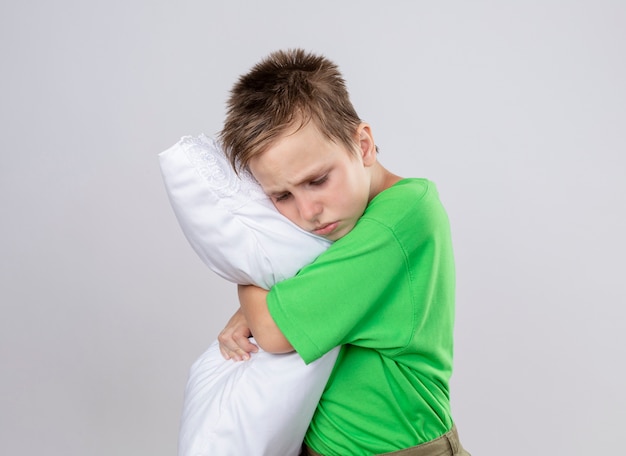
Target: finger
{"type": "Point", "coordinates": [225, 354]}
{"type": "Point", "coordinates": [236, 347]}
{"type": "Point", "coordinates": [233, 353]}
{"type": "Point", "coordinates": [228, 346]}
{"type": "Point", "coordinates": [245, 356]}
{"type": "Point", "coordinates": [244, 344]}
{"type": "Point", "coordinates": [239, 355]}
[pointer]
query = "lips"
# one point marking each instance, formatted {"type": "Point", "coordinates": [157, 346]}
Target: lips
{"type": "Point", "coordinates": [325, 230]}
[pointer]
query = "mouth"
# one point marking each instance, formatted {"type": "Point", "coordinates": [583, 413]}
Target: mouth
{"type": "Point", "coordinates": [325, 230]}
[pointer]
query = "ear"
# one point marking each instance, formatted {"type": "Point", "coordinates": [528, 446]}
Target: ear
{"type": "Point", "coordinates": [366, 143]}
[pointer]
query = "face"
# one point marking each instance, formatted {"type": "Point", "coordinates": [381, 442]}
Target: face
{"type": "Point", "coordinates": [321, 186]}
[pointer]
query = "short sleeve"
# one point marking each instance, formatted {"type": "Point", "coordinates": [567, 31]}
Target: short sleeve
{"type": "Point", "coordinates": [334, 300]}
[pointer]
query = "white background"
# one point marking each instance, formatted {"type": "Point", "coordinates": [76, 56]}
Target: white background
{"type": "Point", "coordinates": [517, 110]}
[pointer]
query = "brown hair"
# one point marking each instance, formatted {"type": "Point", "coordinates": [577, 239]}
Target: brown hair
{"type": "Point", "coordinates": [286, 87]}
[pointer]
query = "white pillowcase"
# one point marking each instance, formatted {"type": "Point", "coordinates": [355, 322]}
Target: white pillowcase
{"type": "Point", "coordinates": [262, 406]}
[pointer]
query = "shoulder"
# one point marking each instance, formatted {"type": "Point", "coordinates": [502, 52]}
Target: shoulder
{"type": "Point", "coordinates": [412, 200]}
{"type": "Point", "coordinates": [400, 218]}
{"type": "Point", "coordinates": [412, 191]}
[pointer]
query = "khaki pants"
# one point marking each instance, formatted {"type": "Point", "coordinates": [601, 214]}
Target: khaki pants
{"type": "Point", "coordinates": [446, 445]}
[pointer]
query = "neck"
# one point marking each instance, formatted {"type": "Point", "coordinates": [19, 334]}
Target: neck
{"type": "Point", "coordinates": [381, 179]}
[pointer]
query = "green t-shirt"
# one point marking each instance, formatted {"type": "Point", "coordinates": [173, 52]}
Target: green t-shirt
{"type": "Point", "coordinates": [385, 291]}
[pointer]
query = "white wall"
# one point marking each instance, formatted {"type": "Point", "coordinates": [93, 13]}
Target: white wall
{"type": "Point", "coordinates": [517, 111]}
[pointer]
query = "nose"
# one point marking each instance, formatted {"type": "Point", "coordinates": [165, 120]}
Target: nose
{"type": "Point", "coordinates": [309, 208]}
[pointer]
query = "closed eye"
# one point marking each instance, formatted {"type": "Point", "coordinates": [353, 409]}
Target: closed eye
{"type": "Point", "coordinates": [282, 197]}
{"type": "Point", "coordinates": [319, 181]}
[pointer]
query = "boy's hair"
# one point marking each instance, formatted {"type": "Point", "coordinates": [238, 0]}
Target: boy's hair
{"type": "Point", "coordinates": [284, 88]}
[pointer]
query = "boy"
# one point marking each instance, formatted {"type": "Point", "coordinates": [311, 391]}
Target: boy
{"type": "Point", "coordinates": [384, 290]}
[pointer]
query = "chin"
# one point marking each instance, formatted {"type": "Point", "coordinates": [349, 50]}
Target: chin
{"type": "Point", "coordinates": [339, 233]}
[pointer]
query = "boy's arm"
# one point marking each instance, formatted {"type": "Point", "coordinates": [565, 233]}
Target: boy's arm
{"type": "Point", "coordinates": [253, 318]}
{"type": "Point", "coordinates": [253, 301]}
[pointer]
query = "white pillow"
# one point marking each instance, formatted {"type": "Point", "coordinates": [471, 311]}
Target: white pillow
{"type": "Point", "coordinates": [262, 406]}
{"type": "Point", "coordinates": [231, 224]}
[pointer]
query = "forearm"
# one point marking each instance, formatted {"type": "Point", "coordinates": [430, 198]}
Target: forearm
{"type": "Point", "coordinates": [253, 301]}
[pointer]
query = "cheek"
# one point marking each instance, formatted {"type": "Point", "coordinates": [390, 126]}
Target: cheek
{"type": "Point", "coordinates": [350, 201]}
{"type": "Point", "coordinates": [355, 191]}
{"type": "Point", "coordinates": [288, 211]}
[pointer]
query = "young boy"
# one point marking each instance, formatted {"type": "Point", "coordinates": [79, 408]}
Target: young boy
{"type": "Point", "coordinates": [384, 290]}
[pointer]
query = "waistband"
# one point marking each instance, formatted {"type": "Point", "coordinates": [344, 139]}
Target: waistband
{"type": "Point", "coordinates": [446, 445]}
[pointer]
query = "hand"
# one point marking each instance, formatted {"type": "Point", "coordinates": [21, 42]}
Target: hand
{"type": "Point", "coordinates": [233, 340]}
